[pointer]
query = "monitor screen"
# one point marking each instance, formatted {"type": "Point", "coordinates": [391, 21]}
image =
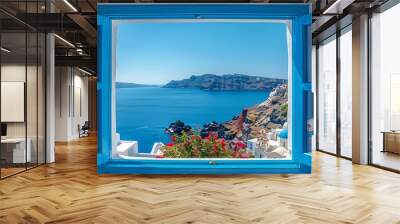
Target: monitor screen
{"type": "Point", "coordinates": [3, 129]}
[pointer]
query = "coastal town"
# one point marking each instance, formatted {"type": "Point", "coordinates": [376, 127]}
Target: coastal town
{"type": "Point", "coordinates": [260, 131]}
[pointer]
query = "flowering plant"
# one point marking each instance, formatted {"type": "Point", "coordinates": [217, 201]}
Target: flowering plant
{"type": "Point", "coordinates": [193, 146]}
{"type": "Point", "coordinates": [239, 150]}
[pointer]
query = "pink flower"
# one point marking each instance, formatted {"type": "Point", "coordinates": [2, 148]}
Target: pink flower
{"type": "Point", "coordinates": [224, 148]}
{"type": "Point", "coordinates": [215, 136]}
{"type": "Point", "coordinates": [173, 138]}
{"type": "Point", "coordinates": [240, 145]}
{"type": "Point", "coordinates": [244, 155]}
{"type": "Point", "coordinates": [235, 154]}
{"type": "Point", "coordinates": [170, 144]}
{"type": "Point", "coordinates": [160, 156]}
{"type": "Point", "coordinates": [215, 148]}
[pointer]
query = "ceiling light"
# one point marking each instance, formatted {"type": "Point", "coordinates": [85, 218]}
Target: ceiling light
{"type": "Point", "coordinates": [70, 5]}
{"type": "Point", "coordinates": [79, 51]}
{"type": "Point", "coordinates": [337, 7]}
{"type": "Point", "coordinates": [84, 71]}
{"type": "Point", "coordinates": [5, 50]}
{"type": "Point", "coordinates": [65, 41]}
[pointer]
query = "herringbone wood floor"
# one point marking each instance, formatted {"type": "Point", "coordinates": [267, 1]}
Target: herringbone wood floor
{"type": "Point", "coordinates": [70, 191]}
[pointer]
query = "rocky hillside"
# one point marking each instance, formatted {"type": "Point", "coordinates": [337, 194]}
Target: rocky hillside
{"type": "Point", "coordinates": [226, 82]}
{"type": "Point", "coordinates": [270, 114]}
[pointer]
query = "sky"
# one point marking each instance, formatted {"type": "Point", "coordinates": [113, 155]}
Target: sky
{"type": "Point", "coordinates": [157, 52]}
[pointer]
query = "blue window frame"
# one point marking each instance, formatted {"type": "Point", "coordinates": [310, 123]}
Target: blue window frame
{"type": "Point", "coordinates": [301, 97]}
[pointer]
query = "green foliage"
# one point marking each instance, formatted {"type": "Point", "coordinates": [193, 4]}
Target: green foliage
{"type": "Point", "coordinates": [284, 109]}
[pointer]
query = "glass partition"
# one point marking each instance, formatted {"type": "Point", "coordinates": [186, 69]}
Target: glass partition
{"type": "Point", "coordinates": [22, 88]}
{"type": "Point", "coordinates": [14, 153]}
{"type": "Point", "coordinates": [385, 89]}
{"type": "Point", "coordinates": [346, 92]}
{"type": "Point", "coordinates": [209, 89]}
{"type": "Point", "coordinates": [327, 96]}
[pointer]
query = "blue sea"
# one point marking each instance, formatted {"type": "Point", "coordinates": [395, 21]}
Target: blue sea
{"type": "Point", "coordinates": [143, 113]}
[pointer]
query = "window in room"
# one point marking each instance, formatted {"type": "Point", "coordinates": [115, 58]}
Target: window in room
{"type": "Point", "coordinates": [346, 92]}
{"type": "Point", "coordinates": [327, 95]}
{"type": "Point", "coordinates": [385, 89]}
{"type": "Point", "coordinates": [215, 89]}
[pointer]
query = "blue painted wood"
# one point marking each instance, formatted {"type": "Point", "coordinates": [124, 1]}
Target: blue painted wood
{"type": "Point", "coordinates": [104, 84]}
{"type": "Point", "coordinates": [225, 10]}
{"type": "Point", "coordinates": [129, 168]}
{"type": "Point", "coordinates": [298, 14]}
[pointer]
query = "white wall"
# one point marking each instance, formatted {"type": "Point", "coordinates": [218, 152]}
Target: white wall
{"type": "Point", "coordinates": [17, 73]}
{"type": "Point", "coordinates": [80, 112]}
{"type": "Point", "coordinates": [71, 87]}
{"type": "Point", "coordinates": [9, 73]}
{"type": "Point", "coordinates": [13, 101]}
{"type": "Point", "coordinates": [61, 103]}
{"type": "Point", "coordinates": [33, 126]}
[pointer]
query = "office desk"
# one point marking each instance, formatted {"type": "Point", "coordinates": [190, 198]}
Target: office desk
{"type": "Point", "coordinates": [391, 141]}
{"type": "Point", "coordinates": [13, 150]}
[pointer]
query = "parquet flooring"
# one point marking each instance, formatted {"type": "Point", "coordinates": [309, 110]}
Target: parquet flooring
{"type": "Point", "coordinates": [70, 191]}
{"type": "Point", "coordinates": [5, 172]}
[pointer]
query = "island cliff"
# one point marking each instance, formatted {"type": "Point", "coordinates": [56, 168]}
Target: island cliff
{"type": "Point", "coordinates": [268, 115]}
{"type": "Point", "coordinates": [257, 132]}
{"type": "Point", "coordinates": [226, 82]}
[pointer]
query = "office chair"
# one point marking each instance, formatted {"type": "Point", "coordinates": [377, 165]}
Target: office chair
{"type": "Point", "coordinates": [84, 130]}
